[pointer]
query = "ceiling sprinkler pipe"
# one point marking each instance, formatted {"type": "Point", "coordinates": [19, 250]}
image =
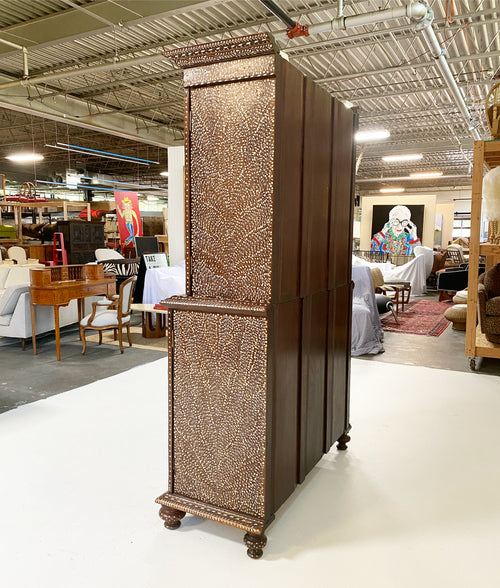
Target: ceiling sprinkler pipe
{"type": "Point", "coordinates": [441, 63]}
{"type": "Point", "coordinates": [279, 13]}
{"type": "Point", "coordinates": [10, 44]}
{"type": "Point", "coordinates": [415, 10]}
{"type": "Point", "coordinates": [26, 72]}
{"type": "Point", "coordinates": [25, 55]}
{"type": "Point", "coordinates": [424, 15]}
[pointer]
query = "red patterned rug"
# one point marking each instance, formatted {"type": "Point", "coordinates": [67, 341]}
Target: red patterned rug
{"type": "Point", "coordinates": [421, 317]}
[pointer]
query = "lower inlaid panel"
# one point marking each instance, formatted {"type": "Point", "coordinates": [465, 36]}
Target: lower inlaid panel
{"type": "Point", "coordinates": [219, 409]}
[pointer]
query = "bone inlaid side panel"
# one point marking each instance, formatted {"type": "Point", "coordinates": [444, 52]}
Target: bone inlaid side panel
{"type": "Point", "coordinates": [230, 71]}
{"type": "Point", "coordinates": [219, 408]}
{"type": "Point", "coordinates": [231, 175]}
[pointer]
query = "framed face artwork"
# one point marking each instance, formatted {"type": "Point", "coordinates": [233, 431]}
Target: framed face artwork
{"type": "Point", "coordinates": [396, 228]}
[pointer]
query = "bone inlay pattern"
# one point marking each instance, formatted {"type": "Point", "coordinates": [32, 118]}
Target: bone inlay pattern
{"type": "Point", "coordinates": [226, 306]}
{"type": "Point", "coordinates": [255, 67]}
{"type": "Point", "coordinates": [223, 50]}
{"type": "Point", "coordinates": [231, 151]}
{"type": "Point", "coordinates": [219, 403]}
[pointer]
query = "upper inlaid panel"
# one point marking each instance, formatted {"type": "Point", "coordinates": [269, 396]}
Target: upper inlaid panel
{"type": "Point", "coordinates": [231, 71]}
{"type": "Point", "coordinates": [224, 50]}
{"type": "Point", "coordinates": [231, 147]}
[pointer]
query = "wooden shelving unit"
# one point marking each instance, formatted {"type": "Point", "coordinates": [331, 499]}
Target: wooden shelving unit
{"type": "Point", "coordinates": [486, 153]}
{"type": "Point", "coordinates": [18, 207]}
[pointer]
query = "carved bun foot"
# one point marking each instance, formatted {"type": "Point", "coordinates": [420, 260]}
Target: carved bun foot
{"type": "Point", "coordinates": [342, 442]}
{"type": "Point", "coordinates": [255, 543]}
{"type": "Point", "coordinates": [172, 517]}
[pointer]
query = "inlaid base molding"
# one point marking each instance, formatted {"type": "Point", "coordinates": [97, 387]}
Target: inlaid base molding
{"type": "Point", "coordinates": [174, 508]}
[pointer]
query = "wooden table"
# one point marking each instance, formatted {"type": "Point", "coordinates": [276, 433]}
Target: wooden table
{"type": "Point", "coordinates": [152, 329]}
{"type": "Point", "coordinates": [57, 286]}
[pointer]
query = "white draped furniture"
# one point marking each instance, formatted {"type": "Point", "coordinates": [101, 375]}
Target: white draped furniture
{"type": "Point", "coordinates": [366, 332]}
{"type": "Point", "coordinates": [164, 282]}
{"type": "Point", "coordinates": [415, 271]}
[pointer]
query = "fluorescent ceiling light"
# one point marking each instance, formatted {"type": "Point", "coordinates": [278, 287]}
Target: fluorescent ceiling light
{"type": "Point", "coordinates": [409, 157]}
{"type": "Point", "coordinates": [23, 157]}
{"type": "Point", "coordinates": [431, 174]}
{"type": "Point", "coordinates": [347, 103]}
{"type": "Point", "coordinates": [164, 173]}
{"type": "Point", "coordinates": [375, 135]}
{"type": "Point", "coordinates": [391, 190]}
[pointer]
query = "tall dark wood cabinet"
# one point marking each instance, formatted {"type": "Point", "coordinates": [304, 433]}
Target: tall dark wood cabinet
{"type": "Point", "coordinates": [260, 346]}
{"type": "Point", "coordinates": [81, 239]}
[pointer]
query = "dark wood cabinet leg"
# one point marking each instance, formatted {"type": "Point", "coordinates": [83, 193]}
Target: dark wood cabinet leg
{"type": "Point", "coordinates": [255, 543]}
{"type": "Point", "coordinates": [171, 516]}
{"type": "Point", "coordinates": [342, 442]}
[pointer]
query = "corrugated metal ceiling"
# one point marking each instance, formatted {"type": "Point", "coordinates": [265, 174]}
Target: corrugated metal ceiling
{"type": "Point", "coordinates": [385, 69]}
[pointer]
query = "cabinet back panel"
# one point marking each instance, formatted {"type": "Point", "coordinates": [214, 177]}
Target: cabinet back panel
{"type": "Point", "coordinates": [339, 349]}
{"type": "Point", "coordinates": [287, 223]}
{"type": "Point", "coordinates": [342, 197]}
{"type": "Point", "coordinates": [286, 334]}
{"type": "Point", "coordinates": [313, 381]}
{"type": "Point", "coordinates": [316, 194]}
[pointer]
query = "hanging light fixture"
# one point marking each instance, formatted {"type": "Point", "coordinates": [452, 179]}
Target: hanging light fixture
{"type": "Point", "coordinates": [374, 135]}
{"type": "Point", "coordinates": [429, 174]}
{"type": "Point", "coordinates": [408, 157]}
{"type": "Point", "coordinates": [24, 157]}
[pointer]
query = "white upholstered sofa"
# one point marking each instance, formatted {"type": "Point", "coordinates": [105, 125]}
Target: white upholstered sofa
{"type": "Point", "coordinates": [15, 312]}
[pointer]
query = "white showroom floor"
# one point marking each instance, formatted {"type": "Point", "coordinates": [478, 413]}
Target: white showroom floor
{"type": "Point", "coordinates": [413, 502]}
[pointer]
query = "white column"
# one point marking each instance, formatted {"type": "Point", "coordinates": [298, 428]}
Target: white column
{"type": "Point", "coordinates": [176, 204]}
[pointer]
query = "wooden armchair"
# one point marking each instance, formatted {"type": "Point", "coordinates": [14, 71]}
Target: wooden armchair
{"type": "Point", "coordinates": [397, 290]}
{"type": "Point", "coordinates": [111, 314]}
{"type": "Point", "coordinates": [385, 296]}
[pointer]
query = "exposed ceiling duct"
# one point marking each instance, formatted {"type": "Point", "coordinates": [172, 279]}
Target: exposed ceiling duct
{"type": "Point", "coordinates": [88, 76]}
{"type": "Point", "coordinates": [418, 11]}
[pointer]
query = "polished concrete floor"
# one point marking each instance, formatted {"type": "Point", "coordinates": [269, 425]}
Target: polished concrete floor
{"type": "Point", "coordinates": [25, 377]}
{"type": "Point", "coordinates": [412, 503]}
{"type": "Point", "coordinates": [445, 352]}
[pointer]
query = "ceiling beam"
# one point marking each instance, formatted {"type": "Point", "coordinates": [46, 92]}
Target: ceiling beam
{"type": "Point", "coordinates": [409, 67]}
{"type": "Point", "coordinates": [47, 31]}
{"type": "Point", "coordinates": [418, 146]}
{"type": "Point", "coordinates": [69, 110]}
{"type": "Point", "coordinates": [405, 32]}
{"type": "Point", "coordinates": [343, 94]}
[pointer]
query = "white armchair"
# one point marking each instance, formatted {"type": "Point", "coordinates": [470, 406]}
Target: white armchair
{"type": "Point", "coordinates": [18, 254]}
{"type": "Point", "coordinates": [111, 314]}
